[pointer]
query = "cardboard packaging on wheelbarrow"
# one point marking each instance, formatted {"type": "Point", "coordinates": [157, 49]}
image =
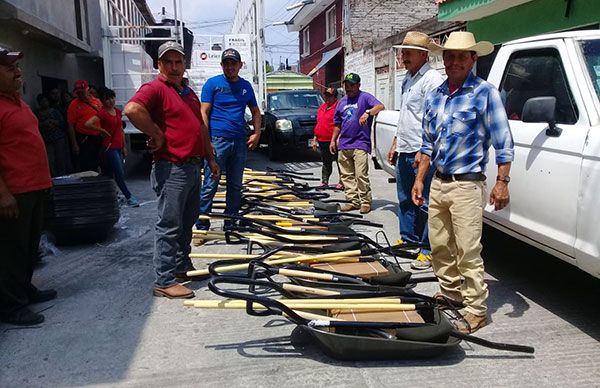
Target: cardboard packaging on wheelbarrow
{"type": "Point", "coordinates": [377, 316]}
{"type": "Point", "coordinates": [362, 269]}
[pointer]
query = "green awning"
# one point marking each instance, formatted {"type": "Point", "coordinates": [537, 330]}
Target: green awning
{"type": "Point", "coordinates": [466, 10]}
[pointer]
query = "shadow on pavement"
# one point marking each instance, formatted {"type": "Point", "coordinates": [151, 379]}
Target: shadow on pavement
{"type": "Point", "coordinates": [557, 286]}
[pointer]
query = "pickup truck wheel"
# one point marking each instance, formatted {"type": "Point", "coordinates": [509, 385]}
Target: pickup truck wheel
{"type": "Point", "coordinates": [273, 152]}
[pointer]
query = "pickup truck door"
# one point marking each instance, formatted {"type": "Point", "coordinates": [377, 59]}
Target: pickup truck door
{"type": "Point", "coordinates": [545, 175]}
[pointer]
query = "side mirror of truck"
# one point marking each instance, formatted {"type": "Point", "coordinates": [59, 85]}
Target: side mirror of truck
{"type": "Point", "coordinates": [542, 110]}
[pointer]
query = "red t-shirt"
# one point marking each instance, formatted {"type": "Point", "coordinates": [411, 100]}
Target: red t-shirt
{"type": "Point", "coordinates": [80, 112]}
{"type": "Point", "coordinates": [23, 160]}
{"type": "Point", "coordinates": [177, 114]}
{"type": "Point", "coordinates": [114, 126]}
{"type": "Point", "coordinates": [324, 128]}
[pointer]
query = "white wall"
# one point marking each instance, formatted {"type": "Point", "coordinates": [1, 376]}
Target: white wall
{"type": "Point", "coordinates": [362, 63]}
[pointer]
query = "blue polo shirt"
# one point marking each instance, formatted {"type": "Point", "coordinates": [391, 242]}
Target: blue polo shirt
{"type": "Point", "coordinates": [229, 101]}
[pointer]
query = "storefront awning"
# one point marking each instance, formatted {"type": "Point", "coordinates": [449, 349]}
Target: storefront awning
{"type": "Point", "coordinates": [327, 56]}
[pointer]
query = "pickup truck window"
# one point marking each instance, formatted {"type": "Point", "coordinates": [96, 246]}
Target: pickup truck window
{"type": "Point", "coordinates": [591, 52]}
{"type": "Point", "coordinates": [536, 73]}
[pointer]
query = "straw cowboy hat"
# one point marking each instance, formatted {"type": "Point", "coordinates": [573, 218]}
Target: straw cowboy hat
{"type": "Point", "coordinates": [465, 41]}
{"type": "Point", "coordinates": [418, 41]}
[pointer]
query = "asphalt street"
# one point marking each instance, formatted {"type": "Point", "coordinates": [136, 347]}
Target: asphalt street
{"type": "Point", "coordinates": [106, 329]}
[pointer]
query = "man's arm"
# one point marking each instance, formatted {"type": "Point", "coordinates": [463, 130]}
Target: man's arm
{"type": "Point", "coordinates": [74, 145]}
{"type": "Point", "coordinates": [93, 124]}
{"type": "Point", "coordinates": [500, 196]}
{"type": "Point", "coordinates": [373, 112]}
{"type": "Point", "coordinates": [417, 190]}
{"type": "Point", "coordinates": [209, 152]}
{"type": "Point", "coordinates": [141, 119]}
{"type": "Point", "coordinates": [8, 203]}
{"type": "Point", "coordinates": [392, 154]}
{"type": "Point", "coordinates": [256, 123]}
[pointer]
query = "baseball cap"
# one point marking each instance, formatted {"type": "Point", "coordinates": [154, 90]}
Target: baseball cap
{"type": "Point", "coordinates": [353, 78]}
{"type": "Point", "coordinates": [8, 57]}
{"type": "Point", "coordinates": [168, 46]}
{"type": "Point", "coordinates": [231, 54]}
{"type": "Point", "coordinates": [331, 91]}
{"type": "Point", "coordinates": [80, 84]}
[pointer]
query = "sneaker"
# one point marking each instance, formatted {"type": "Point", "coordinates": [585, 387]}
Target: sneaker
{"type": "Point", "coordinates": [365, 208]}
{"type": "Point", "coordinates": [339, 186]}
{"type": "Point", "coordinates": [349, 207]}
{"type": "Point", "coordinates": [132, 202]}
{"type": "Point", "coordinates": [421, 262]}
{"type": "Point", "coordinates": [323, 185]}
{"type": "Point", "coordinates": [470, 323]}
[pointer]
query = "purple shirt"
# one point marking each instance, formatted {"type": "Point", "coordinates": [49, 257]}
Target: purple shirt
{"type": "Point", "coordinates": [348, 112]}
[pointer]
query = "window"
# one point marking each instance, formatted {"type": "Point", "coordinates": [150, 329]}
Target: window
{"type": "Point", "coordinates": [306, 41]}
{"type": "Point", "coordinates": [536, 73]}
{"type": "Point", "coordinates": [330, 33]}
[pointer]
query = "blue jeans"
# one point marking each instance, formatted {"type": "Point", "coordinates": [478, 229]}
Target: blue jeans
{"type": "Point", "coordinates": [413, 219]}
{"type": "Point", "coordinates": [231, 158]}
{"type": "Point", "coordinates": [114, 168]}
{"type": "Point", "coordinates": [177, 187]}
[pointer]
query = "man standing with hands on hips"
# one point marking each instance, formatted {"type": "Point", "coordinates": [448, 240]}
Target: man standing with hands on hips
{"type": "Point", "coordinates": [352, 137]}
{"type": "Point", "coordinates": [463, 117]}
{"type": "Point", "coordinates": [168, 111]}
{"type": "Point", "coordinates": [404, 153]}
{"type": "Point", "coordinates": [224, 101]}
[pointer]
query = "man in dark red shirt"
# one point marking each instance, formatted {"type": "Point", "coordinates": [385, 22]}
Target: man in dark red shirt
{"type": "Point", "coordinates": [86, 142]}
{"type": "Point", "coordinates": [168, 111]}
{"type": "Point", "coordinates": [24, 177]}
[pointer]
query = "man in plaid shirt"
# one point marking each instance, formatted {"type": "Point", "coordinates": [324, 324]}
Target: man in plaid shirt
{"type": "Point", "coordinates": [462, 118]}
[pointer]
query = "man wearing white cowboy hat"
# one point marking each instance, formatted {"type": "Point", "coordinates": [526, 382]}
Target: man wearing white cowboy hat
{"type": "Point", "coordinates": [463, 117]}
{"type": "Point", "coordinates": [404, 152]}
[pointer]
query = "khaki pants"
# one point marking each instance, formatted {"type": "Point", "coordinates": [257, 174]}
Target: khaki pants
{"type": "Point", "coordinates": [354, 174]}
{"type": "Point", "coordinates": [455, 226]}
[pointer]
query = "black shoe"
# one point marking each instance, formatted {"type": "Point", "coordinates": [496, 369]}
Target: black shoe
{"type": "Point", "coordinates": [22, 316]}
{"type": "Point", "coordinates": [41, 296]}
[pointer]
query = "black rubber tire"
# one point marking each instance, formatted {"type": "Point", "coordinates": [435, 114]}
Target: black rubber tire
{"type": "Point", "coordinates": [82, 210]}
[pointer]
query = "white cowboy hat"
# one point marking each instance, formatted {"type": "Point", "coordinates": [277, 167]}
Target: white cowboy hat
{"type": "Point", "coordinates": [418, 41]}
{"type": "Point", "coordinates": [465, 41]}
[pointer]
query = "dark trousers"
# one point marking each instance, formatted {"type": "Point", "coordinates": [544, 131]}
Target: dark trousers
{"type": "Point", "coordinates": [19, 241]}
{"type": "Point", "coordinates": [327, 158]}
{"type": "Point", "coordinates": [89, 152]}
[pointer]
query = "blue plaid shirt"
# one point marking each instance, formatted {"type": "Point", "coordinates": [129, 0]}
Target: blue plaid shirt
{"type": "Point", "coordinates": [458, 129]}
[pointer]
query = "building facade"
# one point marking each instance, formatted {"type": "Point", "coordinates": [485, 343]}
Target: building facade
{"type": "Point", "coordinates": [61, 39]}
{"type": "Point", "coordinates": [320, 41]}
{"type": "Point", "coordinates": [366, 31]}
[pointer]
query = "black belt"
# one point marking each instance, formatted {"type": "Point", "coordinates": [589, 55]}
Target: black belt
{"type": "Point", "coordinates": [192, 159]}
{"type": "Point", "coordinates": [470, 176]}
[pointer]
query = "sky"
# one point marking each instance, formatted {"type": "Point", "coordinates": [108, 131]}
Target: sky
{"type": "Point", "coordinates": [216, 17]}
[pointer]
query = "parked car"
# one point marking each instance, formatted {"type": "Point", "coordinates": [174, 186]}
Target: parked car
{"type": "Point", "coordinates": [550, 85]}
{"type": "Point", "coordinates": [289, 120]}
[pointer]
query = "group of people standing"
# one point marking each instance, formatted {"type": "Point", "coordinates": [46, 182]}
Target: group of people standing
{"type": "Point", "coordinates": [440, 151]}
{"type": "Point", "coordinates": [34, 147]}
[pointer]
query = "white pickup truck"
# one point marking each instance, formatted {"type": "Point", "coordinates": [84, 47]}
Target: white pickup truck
{"type": "Point", "coordinates": [550, 85]}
